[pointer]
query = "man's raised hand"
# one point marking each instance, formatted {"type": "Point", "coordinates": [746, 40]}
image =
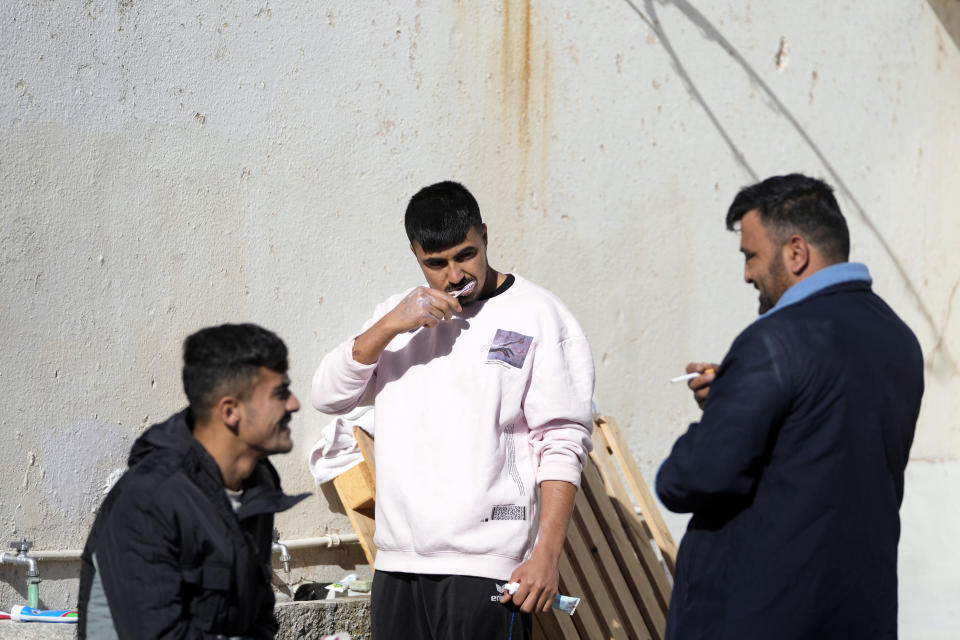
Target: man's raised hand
{"type": "Point", "coordinates": [424, 307]}
{"type": "Point", "coordinates": [701, 384]}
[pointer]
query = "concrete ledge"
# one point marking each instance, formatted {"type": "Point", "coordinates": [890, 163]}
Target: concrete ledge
{"type": "Point", "coordinates": [313, 619]}
{"type": "Point", "coordinates": [10, 630]}
{"type": "Point", "coordinates": [310, 620]}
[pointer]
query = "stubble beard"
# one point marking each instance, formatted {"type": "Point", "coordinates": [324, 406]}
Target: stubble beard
{"type": "Point", "coordinates": [777, 282]}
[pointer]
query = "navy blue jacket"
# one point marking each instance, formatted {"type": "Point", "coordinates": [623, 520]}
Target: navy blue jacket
{"type": "Point", "coordinates": [794, 476]}
{"type": "Point", "coordinates": [170, 555]}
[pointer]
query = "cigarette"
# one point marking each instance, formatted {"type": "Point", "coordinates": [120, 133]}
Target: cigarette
{"type": "Point", "coordinates": [690, 376]}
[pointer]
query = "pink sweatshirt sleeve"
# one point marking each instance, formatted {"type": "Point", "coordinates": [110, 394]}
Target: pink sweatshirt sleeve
{"type": "Point", "coordinates": [558, 409]}
{"type": "Point", "coordinates": [340, 382]}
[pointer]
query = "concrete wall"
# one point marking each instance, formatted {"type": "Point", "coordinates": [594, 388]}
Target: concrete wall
{"type": "Point", "coordinates": [168, 165]}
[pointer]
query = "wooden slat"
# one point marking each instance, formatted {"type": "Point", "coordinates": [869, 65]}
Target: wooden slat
{"type": "Point", "coordinates": [538, 631]}
{"type": "Point", "coordinates": [365, 526]}
{"type": "Point", "coordinates": [616, 590]}
{"type": "Point", "coordinates": [643, 547]}
{"type": "Point", "coordinates": [639, 591]}
{"type": "Point", "coordinates": [651, 514]}
{"type": "Point", "coordinates": [598, 585]}
{"type": "Point", "coordinates": [586, 620]}
{"type": "Point", "coordinates": [547, 626]}
{"type": "Point", "coordinates": [597, 533]}
{"type": "Point", "coordinates": [354, 487]}
{"type": "Point", "coordinates": [560, 625]}
{"type": "Point", "coordinates": [564, 623]}
{"type": "Point", "coordinates": [365, 442]}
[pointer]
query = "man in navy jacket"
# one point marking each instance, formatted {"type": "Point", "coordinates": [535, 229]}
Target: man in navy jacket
{"type": "Point", "coordinates": [794, 474]}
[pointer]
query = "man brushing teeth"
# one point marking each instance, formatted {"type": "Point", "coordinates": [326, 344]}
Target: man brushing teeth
{"type": "Point", "coordinates": [482, 384]}
{"type": "Point", "coordinates": [453, 269]}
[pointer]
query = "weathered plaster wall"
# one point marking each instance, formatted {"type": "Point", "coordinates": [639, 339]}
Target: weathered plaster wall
{"type": "Point", "coordinates": [169, 165]}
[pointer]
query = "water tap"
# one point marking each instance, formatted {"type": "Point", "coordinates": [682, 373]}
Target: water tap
{"type": "Point", "coordinates": [21, 558]}
{"type": "Point", "coordinates": [278, 546]}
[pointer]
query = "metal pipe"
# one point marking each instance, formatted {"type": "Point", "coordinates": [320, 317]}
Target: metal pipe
{"type": "Point", "coordinates": [33, 592]}
{"type": "Point", "coordinates": [328, 541]}
{"type": "Point", "coordinates": [65, 554]}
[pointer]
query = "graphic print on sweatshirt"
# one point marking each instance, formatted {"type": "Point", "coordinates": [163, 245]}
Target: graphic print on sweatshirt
{"type": "Point", "coordinates": [509, 348]}
{"type": "Point", "coordinates": [510, 511]}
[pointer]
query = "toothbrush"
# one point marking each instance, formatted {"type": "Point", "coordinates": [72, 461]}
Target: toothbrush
{"type": "Point", "coordinates": [467, 288]}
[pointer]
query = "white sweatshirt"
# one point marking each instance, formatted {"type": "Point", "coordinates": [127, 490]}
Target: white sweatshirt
{"type": "Point", "coordinates": [470, 417]}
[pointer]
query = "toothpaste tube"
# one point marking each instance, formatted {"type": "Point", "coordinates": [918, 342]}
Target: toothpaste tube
{"type": "Point", "coordinates": [21, 613]}
{"type": "Point", "coordinates": [4, 615]}
{"type": "Point", "coordinates": [339, 587]}
{"type": "Point", "coordinates": [567, 604]}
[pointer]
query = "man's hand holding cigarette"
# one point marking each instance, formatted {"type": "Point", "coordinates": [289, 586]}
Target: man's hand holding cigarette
{"type": "Point", "coordinates": [700, 385]}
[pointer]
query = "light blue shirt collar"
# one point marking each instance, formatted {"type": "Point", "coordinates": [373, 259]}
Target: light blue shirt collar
{"type": "Point", "coordinates": [826, 277]}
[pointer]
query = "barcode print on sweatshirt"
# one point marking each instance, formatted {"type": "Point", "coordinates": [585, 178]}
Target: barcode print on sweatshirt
{"type": "Point", "coordinates": [508, 512]}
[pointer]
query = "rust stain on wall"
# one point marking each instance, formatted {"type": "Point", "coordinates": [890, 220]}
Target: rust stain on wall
{"type": "Point", "coordinates": [525, 93]}
{"type": "Point", "coordinates": [506, 50]}
{"type": "Point", "coordinates": [524, 125]}
{"type": "Point", "coordinates": [545, 134]}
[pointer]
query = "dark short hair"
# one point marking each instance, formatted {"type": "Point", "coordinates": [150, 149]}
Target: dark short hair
{"type": "Point", "coordinates": [797, 204]}
{"type": "Point", "coordinates": [441, 215]}
{"type": "Point", "coordinates": [226, 360]}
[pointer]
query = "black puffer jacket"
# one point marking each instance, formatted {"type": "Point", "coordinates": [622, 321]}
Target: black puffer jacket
{"type": "Point", "coordinates": [170, 554]}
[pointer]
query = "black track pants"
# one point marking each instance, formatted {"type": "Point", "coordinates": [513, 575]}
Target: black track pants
{"type": "Point", "coordinates": [410, 606]}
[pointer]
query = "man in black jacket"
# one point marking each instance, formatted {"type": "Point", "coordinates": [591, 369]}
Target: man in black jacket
{"type": "Point", "coordinates": [181, 545]}
{"type": "Point", "coordinates": [794, 474]}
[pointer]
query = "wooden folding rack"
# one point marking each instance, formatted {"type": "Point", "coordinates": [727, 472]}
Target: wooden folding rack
{"type": "Point", "coordinates": [611, 558]}
{"type": "Point", "coordinates": [615, 559]}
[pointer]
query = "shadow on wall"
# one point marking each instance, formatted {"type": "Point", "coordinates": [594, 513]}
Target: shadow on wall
{"type": "Point", "coordinates": [949, 13]}
{"type": "Point", "coordinates": [649, 16]}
